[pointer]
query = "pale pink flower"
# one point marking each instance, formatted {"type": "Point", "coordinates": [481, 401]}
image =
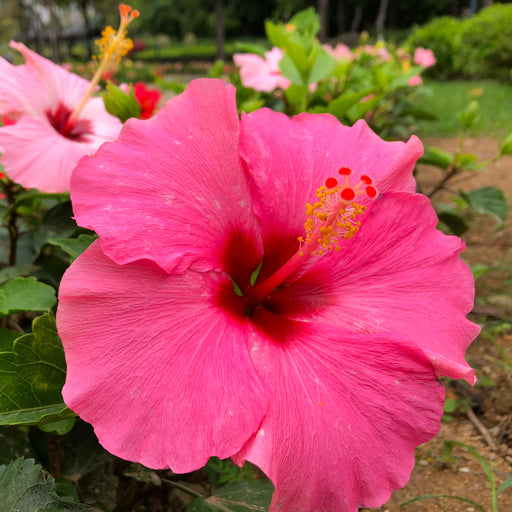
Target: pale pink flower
{"type": "Point", "coordinates": [415, 80]}
{"type": "Point", "coordinates": [375, 51]}
{"type": "Point", "coordinates": [339, 52]}
{"type": "Point", "coordinates": [261, 74]}
{"type": "Point", "coordinates": [325, 374]}
{"type": "Point", "coordinates": [424, 57]}
{"type": "Point", "coordinates": [40, 150]}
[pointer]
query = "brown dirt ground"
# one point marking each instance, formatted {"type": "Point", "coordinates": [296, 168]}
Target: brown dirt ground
{"type": "Point", "coordinates": [489, 242]}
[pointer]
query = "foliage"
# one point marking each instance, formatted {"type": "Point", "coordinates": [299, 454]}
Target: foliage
{"type": "Point", "coordinates": [40, 239]}
{"type": "Point", "coordinates": [378, 83]}
{"type": "Point", "coordinates": [486, 200]}
{"type": "Point", "coordinates": [25, 487]}
{"type": "Point", "coordinates": [443, 36]}
{"type": "Point", "coordinates": [477, 47]}
{"type": "Point", "coordinates": [485, 49]}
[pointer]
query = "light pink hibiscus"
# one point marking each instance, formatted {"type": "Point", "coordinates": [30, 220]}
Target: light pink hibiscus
{"type": "Point", "coordinates": [229, 310]}
{"type": "Point", "coordinates": [424, 57]}
{"type": "Point", "coordinates": [40, 149]}
{"type": "Point", "coordinates": [339, 52]}
{"type": "Point", "coordinates": [415, 80]}
{"type": "Point", "coordinates": [261, 74]}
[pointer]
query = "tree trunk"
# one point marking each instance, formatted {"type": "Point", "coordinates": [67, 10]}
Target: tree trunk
{"type": "Point", "coordinates": [381, 18]}
{"type": "Point", "coordinates": [323, 11]}
{"type": "Point", "coordinates": [219, 29]}
{"type": "Point", "coordinates": [358, 14]}
{"type": "Point", "coordinates": [340, 15]}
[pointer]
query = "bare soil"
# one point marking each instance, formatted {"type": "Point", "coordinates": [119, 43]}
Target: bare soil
{"type": "Point", "coordinates": [483, 419]}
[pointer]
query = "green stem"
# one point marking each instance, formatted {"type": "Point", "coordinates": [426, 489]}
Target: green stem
{"type": "Point", "coordinates": [12, 217]}
{"type": "Point", "coordinates": [183, 488]}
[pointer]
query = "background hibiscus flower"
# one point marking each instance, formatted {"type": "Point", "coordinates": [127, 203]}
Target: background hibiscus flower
{"type": "Point", "coordinates": [40, 149]}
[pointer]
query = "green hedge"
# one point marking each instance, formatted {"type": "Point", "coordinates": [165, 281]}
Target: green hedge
{"type": "Point", "coordinates": [477, 47]}
{"type": "Point", "coordinates": [442, 36]}
{"type": "Point", "coordinates": [486, 44]}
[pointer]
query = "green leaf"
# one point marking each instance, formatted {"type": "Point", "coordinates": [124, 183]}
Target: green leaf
{"type": "Point", "coordinates": [8, 273]}
{"type": "Point", "coordinates": [60, 423]}
{"type": "Point", "coordinates": [470, 116]}
{"type": "Point", "coordinates": [289, 70]}
{"type": "Point", "coordinates": [307, 22]}
{"type": "Point", "coordinates": [120, 104]}
{"type": "Point", "coordinates": [465, 159]}
{"type": "Point", "coordinates": [24, 487]}
{"type": "Point", "coordinates": [7, 338]}
{"type": "Point", "coordinates": [488, 200]}
{"type": "Point", "coordinates": [436, 157]}
{"type": "Point", "coordinates": [457, 225]}
{"type": "Point", "coordinates": [479, 269]}
{"type": "Point", "coordinates": [26, 294]}
{"type": "Point", "coordinates": [323, 66]}
{"type": "Point", "coordinates": [251, 105]}
{"type": "Point", "coordinates": [236, 497]}
{"type": "Point", "coordinates": [32, 375]}
{"type": "Point", "coordinates": [339, 106]}
{"type": "Point", "coordinates": [506, 145]}
{"type": "Point", "coordinates": [505, 485]}
{"type": "Point", "coordinates": [74, 246]}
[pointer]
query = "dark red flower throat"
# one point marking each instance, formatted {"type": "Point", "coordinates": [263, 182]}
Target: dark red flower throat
{"type": "Point", "coordinates": [76, 131]}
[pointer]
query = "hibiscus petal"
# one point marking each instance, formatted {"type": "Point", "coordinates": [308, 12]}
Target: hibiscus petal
{"type": "Point", "coordinates": [287, 159]}
{"type": "Point", "coordinates": [35, 155]}
{"type": "Point", "coordinates": [55, 85]}
{"type": "Point", "coordinates": [170, 189]}
{"type": "Point", "coordinates": [259, 73]}
{"type": "Point", "coordinates": [346, 413]}
{"type": "Point", "coordinates": [398, 274]}
{"type": "Point", "coordinates": [162, 374]}
{"type": "Point", "coordinates": [16, 82]}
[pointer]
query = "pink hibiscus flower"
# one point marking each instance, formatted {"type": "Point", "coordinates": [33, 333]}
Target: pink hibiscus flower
{"type": "Point", "coordinates": [424, 57]}
{"type": "Point", "coordinates": [339, 52]}
{"type": "Point", "coordinates": [415, 80]}
{"type": "Point", "coordinates": [41, 149]}
{"type": "Point", "coordinates": [261, 74]}
{"type": "Point", "coordinates": [230, 310]}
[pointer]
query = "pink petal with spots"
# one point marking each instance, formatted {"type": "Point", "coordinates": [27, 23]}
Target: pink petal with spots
{"type": "Point", "coordinates": [162, 374]}
{"type": "Point", "coordinates": [170, 189]}
{"type": "Point", "coordinates": [398, 274]}
{"type": "Point", "coordinates": [346, 413]}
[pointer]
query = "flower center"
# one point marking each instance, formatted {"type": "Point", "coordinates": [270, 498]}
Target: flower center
{"type": "Point", "coordinates": [59, 120]}
{"type": "Point", "coordinates": [332, 218]}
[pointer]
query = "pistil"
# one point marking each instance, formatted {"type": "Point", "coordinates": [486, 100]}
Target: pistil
{"type": "Point", "coordinates": [113, 46]}
{"type": "Point", "coordinates": [332, 218]}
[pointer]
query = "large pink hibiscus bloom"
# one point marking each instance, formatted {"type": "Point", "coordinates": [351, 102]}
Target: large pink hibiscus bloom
{"type": "Point", "coordinates": [181, 340]}
{"type": "Point", "coordinates": [261, 74]}
{"type": "Point", "coordinates": [41, 149]}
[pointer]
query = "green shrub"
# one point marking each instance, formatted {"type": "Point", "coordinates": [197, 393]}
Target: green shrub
{"type": "Point", "coordinates": [486, 44]}
{"type": "Point", "coordinates": [443, 36]}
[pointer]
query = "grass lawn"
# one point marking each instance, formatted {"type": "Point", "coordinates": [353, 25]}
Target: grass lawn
{"type": "Point", "coordinates": [201, 49]}
{"type": "Point", "coordinates": [448, 99]}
